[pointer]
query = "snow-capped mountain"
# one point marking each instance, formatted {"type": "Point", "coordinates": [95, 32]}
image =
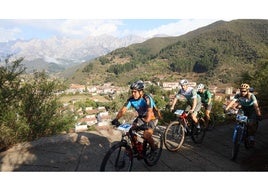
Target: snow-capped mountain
{"type": "Point", "coordinates": [63, 52]}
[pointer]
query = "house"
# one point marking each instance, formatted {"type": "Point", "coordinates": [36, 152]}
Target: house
{"type": "Point", "coordinates": [76, 88]}
{"type": "Point", "coordinates": [170, 85]}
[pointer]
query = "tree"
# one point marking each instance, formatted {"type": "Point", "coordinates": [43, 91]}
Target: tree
{"type": "Point", "coordinates": [31, 107]}
{"type": "Point", "coordinates": [10, 95]}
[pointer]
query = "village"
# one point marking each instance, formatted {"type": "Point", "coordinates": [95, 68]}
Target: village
{"type": "Point", "coordinates": [99, 116]}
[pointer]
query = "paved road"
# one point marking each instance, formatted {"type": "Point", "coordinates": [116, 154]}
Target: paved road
{"type": "Point", "coordinates": [84, 152]}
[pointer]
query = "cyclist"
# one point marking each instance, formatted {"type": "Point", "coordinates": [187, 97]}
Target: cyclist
{"type": "Point", "coordinates": [144, 105]}
{"type": "Point", "coordinates": [193, 100]}
{"type": "Point", "coordinates": [249, 105]}
{"type": "Point", "coordinates": [206, 100]}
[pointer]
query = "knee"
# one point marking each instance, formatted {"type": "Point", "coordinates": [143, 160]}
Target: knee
{"type": "Point", "coordinates": [148, 133]}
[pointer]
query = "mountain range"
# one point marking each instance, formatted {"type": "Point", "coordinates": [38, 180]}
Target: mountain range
{"type": "Point", "coordinates": [218, 53]}
{"type": "Point", "coordinates": [56, 54]}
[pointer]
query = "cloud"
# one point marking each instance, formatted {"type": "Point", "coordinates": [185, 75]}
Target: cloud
{"type": "Point", "coordinates": [178, 28]}
{"type": "Point", "coordinates": [83, 28]}
{"type": "Point", "coordinates": [7, 34]}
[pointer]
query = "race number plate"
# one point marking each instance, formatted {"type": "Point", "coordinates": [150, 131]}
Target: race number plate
{"type": "Point", "coordinates": [179, 112]}
{"type": "Point", "coordinates": [124, 127]}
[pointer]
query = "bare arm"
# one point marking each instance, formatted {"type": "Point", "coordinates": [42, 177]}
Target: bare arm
{"type": "Point", "coordinates": [194, 104]}
{"type": "Point", "coordinates": [121, 112]}
{"type": "Point", "coordinates": [257, 109]}
{"type": "Point", "coordinates": [149, 116]}
{"type": "Point", "coordinates": [230, 104]}
{"type": "Point", "coordinates": [209, 100]}
{"type": "Point", "coordinates": [173, 103]}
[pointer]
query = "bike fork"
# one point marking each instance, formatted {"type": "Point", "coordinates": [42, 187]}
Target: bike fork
{"type": "Point", "coordinates": [235, 134]}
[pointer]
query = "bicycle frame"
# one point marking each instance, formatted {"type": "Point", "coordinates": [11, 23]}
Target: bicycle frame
{"type": "Point", "coordinates": [188, 124]}
{"type": "Point", "coordinates": [241, 123]}
{"type": "Point", "coordinates": [120, 155]}
{"type": "Point", "coordinates": [183, 118]}
{"type": "Point", "coordinates": [126, 137]}
{"type": "Point", "coordinates": [239, 133]}
{"type": "Point", "coordinates": [176, 131]}
{"type": "Point", "coordinates": [239, 127]}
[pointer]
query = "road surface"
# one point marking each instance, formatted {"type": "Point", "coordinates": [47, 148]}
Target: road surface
{"type": "Point", "coordinates": [83, 152]}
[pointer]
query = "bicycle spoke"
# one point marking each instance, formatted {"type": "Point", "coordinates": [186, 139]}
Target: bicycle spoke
{"type": "Point", "coordinates": [118, 158]}
{"type": "Point", "coordinates": [174, 136]}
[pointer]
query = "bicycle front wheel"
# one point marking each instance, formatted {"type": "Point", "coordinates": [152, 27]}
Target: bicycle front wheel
{"type": "Point", "coordinates": [174, 136]}
{"type": "Point", "coordinates": [118, 158]}
{"type": "Point", "coordinates": [236, 142]}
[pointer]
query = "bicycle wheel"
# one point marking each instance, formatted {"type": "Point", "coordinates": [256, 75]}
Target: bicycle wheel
{"type": "Point", "coordinates": [198, 135]}
{"type": "Point", "coordinates": [118, 158]}
{"type": "Point", "coordinates": [174, 136]}
{"type": "Point", "coordinates": [236, 142]}
{"type": "Point", "coordinates": [211, 122]}
{"type": "Point", "coordinates": [152, 157]}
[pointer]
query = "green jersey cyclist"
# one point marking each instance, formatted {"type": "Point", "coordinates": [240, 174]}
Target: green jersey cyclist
{"type": "Point", "coordinates": [206, 99]}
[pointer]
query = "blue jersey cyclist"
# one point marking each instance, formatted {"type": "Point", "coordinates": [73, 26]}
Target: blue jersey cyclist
{"type": "Point", "coordinates": [144, 105]}
{"type": "Point", "coordinates": [193, 100]}
{"type": "Point", "coordinates": [249, 105]}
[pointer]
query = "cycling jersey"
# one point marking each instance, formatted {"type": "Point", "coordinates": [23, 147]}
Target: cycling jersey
{"type": "Point", "coordinates": [205, 96]}
{"type": "Point", "coordinates": [189, 94]}
{"type": "Point", "coordinates": [247, 104]}
{"type": "Point", "coordinates": [140, 105]}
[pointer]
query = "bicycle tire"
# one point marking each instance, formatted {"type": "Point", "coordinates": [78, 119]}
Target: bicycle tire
{"type": "Point", "coordinates": [118, 158]}
{"type": "Point", "coordinates": [151, 158]}
{"type": "Point", "coordinates": [236, 143]}
{"type": "Point", "coordinates": [198, 135]}
{"type": "Point", "coordinates": [174, 136]}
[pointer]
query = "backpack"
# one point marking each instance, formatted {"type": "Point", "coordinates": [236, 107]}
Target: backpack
{"type": "Point", "coordinates": [157, 112]}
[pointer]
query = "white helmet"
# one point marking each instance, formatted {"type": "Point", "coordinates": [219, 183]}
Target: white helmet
{"type": "Point", "coordinates": [184, 82]}
{"type": "Point", "coordinates": [200, 86]}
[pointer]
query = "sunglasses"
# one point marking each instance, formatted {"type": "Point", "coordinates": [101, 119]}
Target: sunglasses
{"type": "Point", "coordinates": [243, 91]}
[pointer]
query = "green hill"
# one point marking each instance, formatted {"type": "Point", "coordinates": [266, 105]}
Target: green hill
{"type": "Point", "coordinates": [220, 53]}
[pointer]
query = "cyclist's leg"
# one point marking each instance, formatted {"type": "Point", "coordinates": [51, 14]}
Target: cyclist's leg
{"type": "Point", "coordinates": [148, 133]}
{"type": "Point", "coordinates": [148, 136]}
{"type": "Point", "coordinates": [194, 114]}
{"type": "Point", "coordinates": [252, 128]}
{"type": "Point", "coordinates": [208, 108]}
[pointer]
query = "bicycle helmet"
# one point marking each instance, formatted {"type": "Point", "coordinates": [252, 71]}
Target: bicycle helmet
{"type": "Point", "coordinates": [200, 86]}
{"type": "Point", "coordinates": [138, 85]}
{"type": "Point", "coordinates": [184, 82]}
{"type": "Point", "coordinates": [244, 86]}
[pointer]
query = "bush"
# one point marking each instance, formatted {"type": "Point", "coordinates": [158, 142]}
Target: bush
{"type": "Point", "coordinates": [31, 106]}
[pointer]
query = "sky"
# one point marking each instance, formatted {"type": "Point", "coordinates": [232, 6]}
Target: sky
{"type": "Point", "coordinates": [11, 29]}
{"type": "Point", "coordinates": [78, 18]}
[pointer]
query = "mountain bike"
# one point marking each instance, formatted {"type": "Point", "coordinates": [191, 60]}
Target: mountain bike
{"type": "Point", "coordinates": [176, 131]}
{"type": "Point", "coordinates": [120, 156]}
{"type": "Point", "coordinates": [240, 133]}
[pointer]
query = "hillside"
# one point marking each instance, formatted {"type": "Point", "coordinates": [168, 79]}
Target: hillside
{"type": "Point", "coordinates": [220, 53]}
